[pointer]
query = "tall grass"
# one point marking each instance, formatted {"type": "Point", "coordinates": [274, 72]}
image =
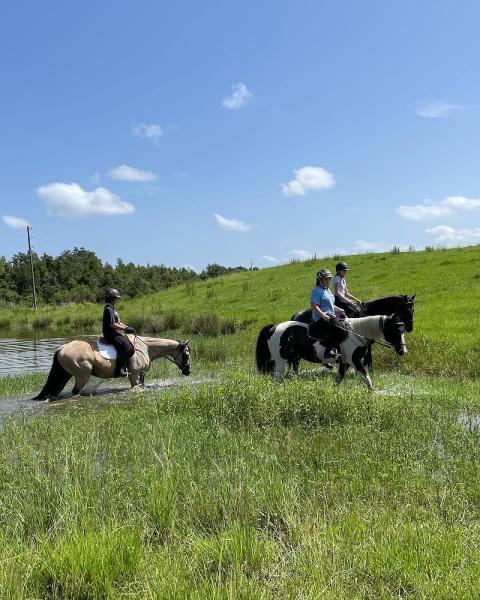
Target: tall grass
{"type": "Point", "coordinates": [247, 488]}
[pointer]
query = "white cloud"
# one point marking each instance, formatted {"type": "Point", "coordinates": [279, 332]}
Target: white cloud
{"type": "Point", "coordinates": [231, 224]}
{"type": "Point", "coordinates": [15, 222]}
{"type": "Point", "coordinates": [437, 109]}
{"type": "Point", "coordinates": [307, 179]}
{"type": "Point", "coordinates": [302, 254]}
{"type": "Point", "coordinates": [271, 259]}
{"type": "Point", "coordinates": [449, 206]}
{"type": "Point", "coordinates": [444, 233]}
{"type": "Point", "coordinates": [126, 173]}
{"type": "Point", "coordinates": [241, 96]}
{"type": "Point", "coordinates": [71, 201]}
{"type": "Point", "coordinates": [364, 246]}
{"type": "Point", "coordinates": [148, 131]}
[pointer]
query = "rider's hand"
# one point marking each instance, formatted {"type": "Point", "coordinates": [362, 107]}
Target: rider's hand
{"type": "Point", "coordinates": [129, 330]}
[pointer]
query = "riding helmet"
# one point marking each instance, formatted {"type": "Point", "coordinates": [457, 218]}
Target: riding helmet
{"type": "Point", "coordinates": [111, 294]}
{"type": "Point", "coordinates": [341, 266]}
{"type": "Point", "coordinates": [323, 273]}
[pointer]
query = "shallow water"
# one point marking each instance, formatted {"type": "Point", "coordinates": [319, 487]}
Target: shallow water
{"type": "Point", "coordinates": [109, 393]}
{"type": "Point", "coordinates": [31, 352]}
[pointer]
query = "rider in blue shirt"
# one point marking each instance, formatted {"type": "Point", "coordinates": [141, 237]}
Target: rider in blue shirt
{"type": "Point", "coordinates": [324, 312]}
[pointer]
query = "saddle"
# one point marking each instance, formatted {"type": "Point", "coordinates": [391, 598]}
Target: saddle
{"type": "Point", "coordinates": [108, 350]}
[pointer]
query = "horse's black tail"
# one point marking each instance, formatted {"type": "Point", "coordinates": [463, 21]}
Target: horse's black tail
{"type": "Point", "coordinates": [56, 381]}
{"type": "Point", "coordinates": [265, 364]}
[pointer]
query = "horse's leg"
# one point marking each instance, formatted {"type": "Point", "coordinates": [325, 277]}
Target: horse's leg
{"type": "Point", "coordinates": [81, 379]}
{"type": "Point", "coordinates": [357, 359]}
{"type": "Point", "coordinates": [342, 369]}
{"type": "Point", "coordinates": [279, 367]}
{"type": "Point", "coordinates": [135, 378]}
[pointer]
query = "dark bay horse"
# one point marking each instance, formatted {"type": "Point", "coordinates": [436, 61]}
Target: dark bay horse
{"type": "Point", "coordinates": [82, 359]}
{"type": "Point", "coordinates": [400, 306]}
{"type": "Point", "coordinates": [289, 342]}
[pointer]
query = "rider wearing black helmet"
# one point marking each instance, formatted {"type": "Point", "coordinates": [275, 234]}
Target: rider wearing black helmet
{"type": "Point", "coordinates": [343, 298]}
{"type": "Point", "coordinates": [112, 326]}
{"type": "Point", "coordinates": [324, 312]}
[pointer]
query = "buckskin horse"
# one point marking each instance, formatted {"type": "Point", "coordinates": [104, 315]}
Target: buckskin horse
{"type": "Point", "coordinates": [402, 306]}
{"type": "Point", "coordinates": [83, 359]}
{"type": "Point", "coordinates": [289, 342]}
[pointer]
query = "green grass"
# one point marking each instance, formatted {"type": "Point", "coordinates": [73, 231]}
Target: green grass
{"type": "Point", "coordinates": [252, 488]}
{"type": "Point", "coordinates": [246, 489]}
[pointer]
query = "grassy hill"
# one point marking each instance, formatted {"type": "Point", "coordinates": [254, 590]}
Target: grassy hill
{"type": "Point", "coordinates": [445, 340]}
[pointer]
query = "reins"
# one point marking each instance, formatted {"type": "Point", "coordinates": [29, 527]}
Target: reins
{"type": "Point", "coordinates": [166, 356]}
{"type": "Point", "coordinates": [367, 341]}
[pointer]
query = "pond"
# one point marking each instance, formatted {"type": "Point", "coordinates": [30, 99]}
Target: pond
{"type": "Point", "coordinates": [33, 351]}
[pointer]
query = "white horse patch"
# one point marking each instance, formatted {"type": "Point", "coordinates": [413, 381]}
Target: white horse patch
{"type": "Point", "coordinates": [107, 350]}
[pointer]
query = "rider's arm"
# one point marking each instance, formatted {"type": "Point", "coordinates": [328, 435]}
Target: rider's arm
{"type": "Point", "coordinates": [320, 312]}
{"type": "Point", "coordinates": [338, 293]}
{"type": "Point", "coordinates": [118, 326]}
{"type": "Point", "coordinates": [351, 296]}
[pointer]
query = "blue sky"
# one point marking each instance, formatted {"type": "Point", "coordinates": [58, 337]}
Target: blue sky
{"type": "Point", "coordinates": [189, 133]}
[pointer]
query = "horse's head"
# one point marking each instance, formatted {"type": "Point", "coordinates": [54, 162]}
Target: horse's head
{"type": "Point", "coordinates": [182, 358]}
{"type": "Point", "coordinates": [405, 311]}
{"type": "Point", "coordinates": [394, 334]}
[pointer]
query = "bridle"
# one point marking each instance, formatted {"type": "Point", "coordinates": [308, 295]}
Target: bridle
{"type": "Point", "coordinates": [172, 359]}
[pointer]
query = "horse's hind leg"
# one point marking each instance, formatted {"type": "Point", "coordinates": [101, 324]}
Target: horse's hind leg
{"type": "Point", "coordinates": [279, 367]}
{"type": "Point", "coordinates": [81, 380]}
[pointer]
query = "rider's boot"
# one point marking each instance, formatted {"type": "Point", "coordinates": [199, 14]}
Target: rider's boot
{"type": "Point", "coordinates": [329, 353]}
{"type": "Point", "coordinates": [120, 370]}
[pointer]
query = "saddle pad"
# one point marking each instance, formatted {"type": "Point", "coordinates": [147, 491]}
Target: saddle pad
{"type": "Point", "coordinates": [107, 350]}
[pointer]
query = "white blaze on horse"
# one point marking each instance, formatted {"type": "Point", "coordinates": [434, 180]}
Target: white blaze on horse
{"type": "Point", "coordinates": [83, 359]}
{"type": "Point", "coordinates": [289, 342]}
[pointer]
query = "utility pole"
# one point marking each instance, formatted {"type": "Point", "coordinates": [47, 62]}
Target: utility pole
{"type": "Point", "coordinates": [31, 268]}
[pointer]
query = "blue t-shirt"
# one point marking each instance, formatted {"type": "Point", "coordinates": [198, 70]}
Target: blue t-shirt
{"type": "Point", "coordinates": [324, 299]}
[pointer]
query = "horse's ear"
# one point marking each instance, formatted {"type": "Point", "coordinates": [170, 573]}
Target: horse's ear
{"type": "Point", "coordinates": [185, 343]}
{"type": "Point", "coordinates": [413, 298]}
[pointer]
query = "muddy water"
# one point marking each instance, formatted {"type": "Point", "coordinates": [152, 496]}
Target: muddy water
{"type": "Point", "coordinates": [31, 352]}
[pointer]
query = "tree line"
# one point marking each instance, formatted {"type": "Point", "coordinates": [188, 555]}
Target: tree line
{"type": "Point", "coordinates": [78, 275]}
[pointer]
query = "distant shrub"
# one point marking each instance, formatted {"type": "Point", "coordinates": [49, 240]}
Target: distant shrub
{"type": "Point", "coordinates": [337, 257]}
{"type": "Point", "coordinates": [395, 250]}
{"type": "Point", "coordinates": [85, 323]}
{"type": "Point", "coordinates": [228, 326]}
{"type": "Point", "coordinates": [5, 323]}
{"type": "Point", "coordinates": [172, 320]}
{"type": "Point", "coordinates": [209, 350]}
{"type": "Point", "coordinates": [42, 322]}
{"type": "Point", "coordinates": [204, 324]}
{"type": "Point", "coordinates": [429, 249]}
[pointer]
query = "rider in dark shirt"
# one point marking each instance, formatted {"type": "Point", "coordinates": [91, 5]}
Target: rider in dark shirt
{"type": "Point", "coordinates": [112, 328]}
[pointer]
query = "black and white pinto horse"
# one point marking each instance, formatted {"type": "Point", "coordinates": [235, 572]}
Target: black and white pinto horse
{"type": "Point", "coordinates": [287, 343]}
{"type": "Point", "coordinates": [401, 306]}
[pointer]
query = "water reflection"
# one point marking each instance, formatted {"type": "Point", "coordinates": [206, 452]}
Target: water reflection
{"type": "Point", "coordinates": [31, 352]}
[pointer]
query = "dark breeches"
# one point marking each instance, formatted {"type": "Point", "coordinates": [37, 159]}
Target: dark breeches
{"type": "Point", "coordinates": [123, 346]}
{"type": "Point", "coordinates": [351, 310]}
{"type": "Point", "coordinates": [327, 331]}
